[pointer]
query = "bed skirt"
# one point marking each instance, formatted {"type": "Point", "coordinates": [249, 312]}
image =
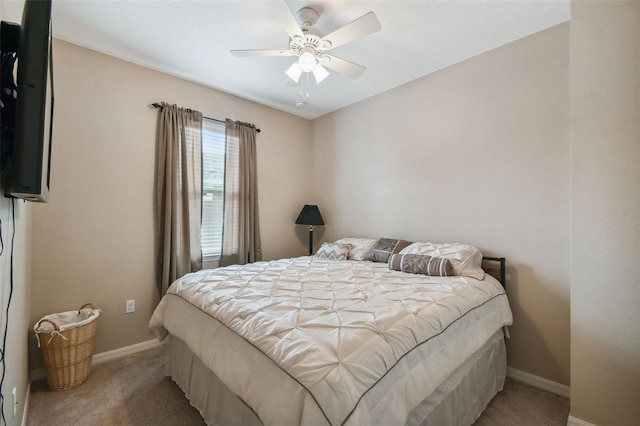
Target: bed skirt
{"type": "Point", "coordinates": [459, 400]}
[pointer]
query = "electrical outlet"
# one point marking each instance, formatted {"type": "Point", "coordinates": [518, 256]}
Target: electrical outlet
{"type": "Point", "coordinates": [15, 402]}
{"type": "Point", "coordinates": [131, 306]}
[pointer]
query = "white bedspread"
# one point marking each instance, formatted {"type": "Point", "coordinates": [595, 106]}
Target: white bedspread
{"type": "Point", "coordinates": [339, 342]}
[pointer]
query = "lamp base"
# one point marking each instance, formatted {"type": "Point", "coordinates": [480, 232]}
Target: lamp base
{"type": "Point", "coordinates": [310, 240]}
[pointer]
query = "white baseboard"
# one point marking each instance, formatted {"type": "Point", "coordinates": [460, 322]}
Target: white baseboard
{"type": "Point", "coordinates": [540, 382]}
{"type": "Point", "coordinates": [40, 373]}
{"type": "Point", "coordinates": [127, 350]}
{"type": "Point", "coordinates": [573, 421]}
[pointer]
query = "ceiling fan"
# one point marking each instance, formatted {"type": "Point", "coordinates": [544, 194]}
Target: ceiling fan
{"type": "Point", "coordinates": [311, 47]}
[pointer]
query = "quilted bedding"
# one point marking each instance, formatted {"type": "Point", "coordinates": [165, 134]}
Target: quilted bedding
{"type": "Point", "coordinates": [330, 342]}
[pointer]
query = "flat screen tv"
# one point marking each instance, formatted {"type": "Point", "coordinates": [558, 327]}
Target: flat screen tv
{"type": "Point", "coordinates": [31, 157]}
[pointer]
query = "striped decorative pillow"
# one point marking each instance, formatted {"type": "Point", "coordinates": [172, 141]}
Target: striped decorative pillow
{"type": "Point", "coordinates": [421, 264]}
{"type": "Point", "coordinates": [383, 248]}
{"type": "Point", "coordinates": [333, 251]}
{"type": "Point", "coordinates": [465, 259]}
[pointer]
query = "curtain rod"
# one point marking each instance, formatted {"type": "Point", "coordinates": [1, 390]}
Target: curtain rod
{"type": "Point", "coordinates": [157, 105]}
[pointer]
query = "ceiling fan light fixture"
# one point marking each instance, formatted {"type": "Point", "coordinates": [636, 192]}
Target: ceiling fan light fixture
{"type": "Point", "coordinates": [320, 73]}
{"type": "Point", "coordinates": [294, 72]}
{"type": "Point", "coordinates": [307, 61]}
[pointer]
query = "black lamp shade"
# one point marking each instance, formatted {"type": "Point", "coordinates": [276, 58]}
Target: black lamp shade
{"type": "Point", "coordinates": [310, 215]}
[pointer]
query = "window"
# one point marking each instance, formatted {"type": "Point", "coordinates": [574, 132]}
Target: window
{"type": "Point", "coordinates": [213, 166]}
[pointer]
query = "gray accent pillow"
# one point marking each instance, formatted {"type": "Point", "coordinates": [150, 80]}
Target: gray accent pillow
{"type": "Point", "coordinates": [421, 264]}
{"type": "Point", "coordinates": [383, 248]}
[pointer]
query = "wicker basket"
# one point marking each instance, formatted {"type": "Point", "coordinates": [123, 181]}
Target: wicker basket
{"type": "Point", "coordinates": [67, 354]}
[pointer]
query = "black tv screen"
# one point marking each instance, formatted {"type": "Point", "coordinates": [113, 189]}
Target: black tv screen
{"type": "Point", "coordinates": [31, 161]}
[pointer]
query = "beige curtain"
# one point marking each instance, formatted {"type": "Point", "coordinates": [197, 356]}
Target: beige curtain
{"type": "Point", "coordinates": [179, 194]}
{"type": "Point", "coordinates": [241, 229]}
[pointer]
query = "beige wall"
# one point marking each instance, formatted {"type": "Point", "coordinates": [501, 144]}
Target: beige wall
{"type": "Point", "coordinates": [475, 153]}
{"type": "Point", "coordinates": [605, 242]}
{"type": "Point", "coordinates": [94, 240]}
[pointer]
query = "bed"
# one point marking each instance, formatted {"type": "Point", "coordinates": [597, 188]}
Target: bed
{"type": "Point", "coordinates": [357, 334]}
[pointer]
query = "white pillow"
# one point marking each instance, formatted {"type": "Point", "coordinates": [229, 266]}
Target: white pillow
{"type": "Point", "coordinates": [465, 259]}
{"type": "Point", "coordinates": [333, 251]}
{"type": "Point", "coordinates": [360, 246]}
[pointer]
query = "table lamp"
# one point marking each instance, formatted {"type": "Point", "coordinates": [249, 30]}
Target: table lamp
{"type": "Point", "coordinates": [310, 215]}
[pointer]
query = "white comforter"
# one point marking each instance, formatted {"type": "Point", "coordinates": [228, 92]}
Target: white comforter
{"type": "Point", "coordinates": [339, 342]}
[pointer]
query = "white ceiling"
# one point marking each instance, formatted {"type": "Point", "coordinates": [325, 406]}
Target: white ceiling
{"type": "Point", "coordinates": [191, 39]}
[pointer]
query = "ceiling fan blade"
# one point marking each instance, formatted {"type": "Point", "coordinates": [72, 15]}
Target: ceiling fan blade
{"type": "Point", "coordinates": [260, 52]}
{"type": "Point", "coordinates": [343, 66]}
{"type": "Point", "coordinates": [281, 14]}
{"type": "Point", "coordinates": [363, 26]}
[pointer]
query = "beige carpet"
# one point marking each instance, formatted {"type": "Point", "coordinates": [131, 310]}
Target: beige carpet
{"type": "Point", "coordinates": [133, 391]}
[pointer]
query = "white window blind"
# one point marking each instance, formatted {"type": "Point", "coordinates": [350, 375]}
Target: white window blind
{"type": "Point", "coordinates": [213, 166]}
{"type": "Point", "coordinates": [232, 195]}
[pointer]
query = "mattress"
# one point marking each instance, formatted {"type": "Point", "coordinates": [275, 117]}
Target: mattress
{"type": "Point", "coordinates": [316, 341]}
